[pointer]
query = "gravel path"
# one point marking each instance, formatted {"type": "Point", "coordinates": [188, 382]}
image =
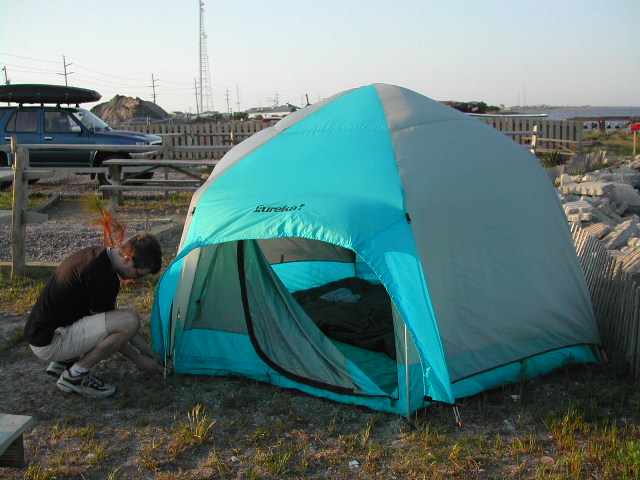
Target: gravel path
{"type": "Point", "coordinates": [69, 225]}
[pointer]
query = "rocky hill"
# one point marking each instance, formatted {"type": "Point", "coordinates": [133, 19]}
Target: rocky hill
{"type": "Point", "coordinates": [121, 109]}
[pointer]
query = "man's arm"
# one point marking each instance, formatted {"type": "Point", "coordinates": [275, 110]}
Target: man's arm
{"type": "Point", "coordinates": [145, 362]}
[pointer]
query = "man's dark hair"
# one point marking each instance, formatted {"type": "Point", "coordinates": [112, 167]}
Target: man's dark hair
{"type": "Point", "coordinates": [145, 251]}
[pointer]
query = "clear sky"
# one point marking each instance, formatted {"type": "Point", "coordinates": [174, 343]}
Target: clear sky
{"type": "Point", "coordinates": [511, 52]}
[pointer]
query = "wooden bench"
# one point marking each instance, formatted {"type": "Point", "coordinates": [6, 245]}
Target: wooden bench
{"type": "Point", "coordinates": [11, 443]}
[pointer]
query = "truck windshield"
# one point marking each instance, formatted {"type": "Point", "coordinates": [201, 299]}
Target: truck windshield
{"type": "Point", "coordinates": [89, 120]}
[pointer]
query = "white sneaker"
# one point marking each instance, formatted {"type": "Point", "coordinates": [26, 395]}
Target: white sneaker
{"type": "Point", "coordinates": [55, 369]}
{"type": "Point", "coordinates": [86, 384]}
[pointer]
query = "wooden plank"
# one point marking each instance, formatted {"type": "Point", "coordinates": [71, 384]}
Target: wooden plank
{"type": "Point", "coordinates": [161, 188]}
{"type": "Point", "coordinates": [161, 163]}
{"type": "Point", "coordinates": [163, 181]}
{"type": "Point", "coordinates": [37, 174]}
{"type": "Point", "coordinates": [12, 427]}
{"type": "Point", "coordinates": [27, 217]}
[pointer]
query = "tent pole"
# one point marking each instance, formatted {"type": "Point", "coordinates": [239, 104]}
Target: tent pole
{"type": "Point", "coordinates": [406, 374]}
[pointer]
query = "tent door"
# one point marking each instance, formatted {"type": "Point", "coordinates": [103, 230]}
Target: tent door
{"type": "Point", "coordinates": [285, 337]}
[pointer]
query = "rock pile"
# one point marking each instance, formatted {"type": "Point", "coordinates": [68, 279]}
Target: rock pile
{"type": "Point", "coordinates": [606, 203]}
{"type": "Point", "coordinates": [121, 109]}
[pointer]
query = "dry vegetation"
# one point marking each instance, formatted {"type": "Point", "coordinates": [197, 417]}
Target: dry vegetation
{"type": "Point", "coordinates": [580, 422]}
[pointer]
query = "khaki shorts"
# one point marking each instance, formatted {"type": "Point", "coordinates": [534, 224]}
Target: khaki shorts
{"type": "Point", "coordinates": [75, 340]}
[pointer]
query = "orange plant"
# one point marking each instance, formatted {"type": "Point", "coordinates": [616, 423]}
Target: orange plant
{"type": "Point", "coordinates": [113, 230]}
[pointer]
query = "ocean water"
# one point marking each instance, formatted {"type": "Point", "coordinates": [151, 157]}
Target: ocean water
{"type": "Point", "coordinates": [563, 113]}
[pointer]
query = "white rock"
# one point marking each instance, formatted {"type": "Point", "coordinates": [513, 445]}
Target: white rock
{"type": "Point", "coordinates": [619, 237]}
{"type": "Point", "coordinates": [593, 189]}
{"type": "Point", "coordinates": [625, 195]}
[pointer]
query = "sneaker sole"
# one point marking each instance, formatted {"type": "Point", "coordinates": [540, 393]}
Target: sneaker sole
{"type": "Point", "coordinates": [55, 374]}
{"type": "Point", "coordinates": [69, 389]}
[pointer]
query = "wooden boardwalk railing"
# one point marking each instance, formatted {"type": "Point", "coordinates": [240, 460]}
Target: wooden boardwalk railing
{"type": "Point", "coordinates": [563, 136]}
{"type": "Point", "coordinates": [615, 295]}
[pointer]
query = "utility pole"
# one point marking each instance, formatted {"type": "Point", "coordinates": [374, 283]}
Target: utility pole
{"type": "Point", "coordinates": [153, 86]}
{"type": "Point", "coordinates": [228, 104]}
{"type": "Point", "coordinates": [65, 65]}
{"type": "Point", "coordinates": [238, 98]}
{"type": "Point", "coordinates": [6, 79]}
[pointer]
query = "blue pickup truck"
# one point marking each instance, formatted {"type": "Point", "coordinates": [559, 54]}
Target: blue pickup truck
{"type": "Point", "coordinates": [36, 114]}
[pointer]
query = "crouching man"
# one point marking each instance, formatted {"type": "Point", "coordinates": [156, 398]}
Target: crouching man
{"type": "Point", "coordinates": [75, 323]}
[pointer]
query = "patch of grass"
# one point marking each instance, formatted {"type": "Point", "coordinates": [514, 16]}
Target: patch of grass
{"type": "Point", "coordinates": [215, 462]}
{"type": "Point", "coordinates": [276, 460]}
{"type": "Point", "coordinates": [34, 200]}
{"type": "Point", "coordinates": [616, 142]}
{"type": "Point", "coordinates": [13, 339]}
{"type": "Point", "coordinates": [196, 430]}
{"type": "Point", "coordinates": [175, 200]}
{"type": "Point", "coordinates": [138, 294]}
{"type": "Point", "coordinates": [18, 295]}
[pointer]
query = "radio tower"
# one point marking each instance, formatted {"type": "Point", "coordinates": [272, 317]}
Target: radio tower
{"type": "Point", "coordinates": [206, 98]}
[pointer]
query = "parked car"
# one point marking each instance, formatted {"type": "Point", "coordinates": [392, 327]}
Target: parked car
{"type": "Point", "coordinates": [36, 115]}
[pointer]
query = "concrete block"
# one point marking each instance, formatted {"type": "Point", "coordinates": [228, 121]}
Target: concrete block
{"type": "Point", "coordinates": [566, 179]}
{"type": "Point", "coordinates": [578, 206]}
{"type": "Point", "coordinates": [593, 189]}
{"type": "Point", "coordinates": [619, 236]}
{"type": "Point", "coordinates": [626, 197]}
{"type": "Point", "coordinates": [598, 229]}
{"type": "Point", "coordinates": [579, 217]}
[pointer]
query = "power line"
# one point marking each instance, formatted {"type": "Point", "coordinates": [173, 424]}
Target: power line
{"type": "Point", "coordinates": [28, 58]}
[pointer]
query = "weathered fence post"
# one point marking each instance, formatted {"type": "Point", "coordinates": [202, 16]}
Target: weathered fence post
{"type": "Point", "coordinates": [534, 140]}
{"type": "Point", "coordinates": [19, 207]}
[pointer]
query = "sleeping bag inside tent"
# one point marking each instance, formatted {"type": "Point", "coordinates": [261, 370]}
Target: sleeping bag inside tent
{"type": "Point", "coordinates": [378, 248]}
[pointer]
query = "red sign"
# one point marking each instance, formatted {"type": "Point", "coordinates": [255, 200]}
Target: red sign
{"type": "Point", "coordinates": [635, 127]}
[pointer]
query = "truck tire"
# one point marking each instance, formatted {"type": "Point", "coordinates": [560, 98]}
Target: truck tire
{"type": "Point", "coordinates": [105, 178]}
{"type": "Point", "coordinates": [4, 163]}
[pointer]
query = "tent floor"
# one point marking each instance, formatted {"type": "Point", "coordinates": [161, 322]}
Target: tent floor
{"type": "Point", "coordinates": [378, 366]}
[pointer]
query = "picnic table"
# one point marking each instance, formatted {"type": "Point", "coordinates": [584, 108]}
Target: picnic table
{"type": "Point", "coordinates": [125, 173]}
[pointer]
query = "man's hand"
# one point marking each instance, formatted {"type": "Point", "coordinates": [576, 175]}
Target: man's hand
{"type": "Point", "coordinates": [149, 365]}
{"type": "Point", "coordinates": [146, 363]}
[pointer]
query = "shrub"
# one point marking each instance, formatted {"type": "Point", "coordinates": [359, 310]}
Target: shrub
{"type": "Point", "coordinates": [552, 159]}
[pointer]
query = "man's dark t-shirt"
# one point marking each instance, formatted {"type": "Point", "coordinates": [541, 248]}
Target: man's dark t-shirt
{"type": "Point", "coordinates": [82, 285]}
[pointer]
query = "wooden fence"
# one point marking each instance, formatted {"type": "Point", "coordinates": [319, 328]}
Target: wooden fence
{"type": "Point", "coordinates": [615, 295]}
{"type": "Point", "coordinates": [564, 136]}
{"type": "Point", "coordinates": [539, 133]}
{"type": "Point", "coordinates": [200, 134]}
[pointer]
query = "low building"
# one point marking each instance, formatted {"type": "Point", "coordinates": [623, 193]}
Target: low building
{"type": "Point", "coordinates": [271, 113]}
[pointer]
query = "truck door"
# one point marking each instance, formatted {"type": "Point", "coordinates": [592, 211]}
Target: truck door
{"type": "Point", "coordinates": [61, 128]}
{"type": "Point", "coordinates": [24, 125]}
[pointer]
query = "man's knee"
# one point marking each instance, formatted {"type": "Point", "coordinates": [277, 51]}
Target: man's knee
{"type": "Point", "coordinates": [123, 320]}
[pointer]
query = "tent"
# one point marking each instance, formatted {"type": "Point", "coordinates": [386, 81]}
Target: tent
{"type": "Point", "coordinates": [451, 230]}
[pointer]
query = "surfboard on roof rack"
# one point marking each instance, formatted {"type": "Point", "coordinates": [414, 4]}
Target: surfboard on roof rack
{"type": "Point", "coordinates": [34, 93]}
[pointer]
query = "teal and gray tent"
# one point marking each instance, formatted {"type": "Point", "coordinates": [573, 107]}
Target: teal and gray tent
{"type": "Point", "coordinates": [452, 230]}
